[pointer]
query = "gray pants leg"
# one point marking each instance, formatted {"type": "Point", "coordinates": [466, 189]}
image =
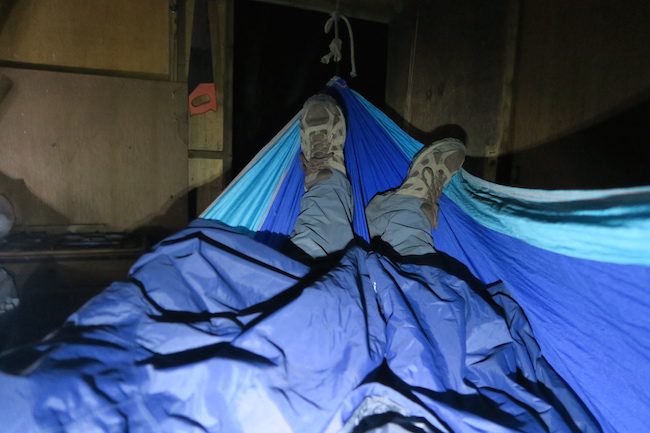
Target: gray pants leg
{"type": "Point", "coordinates": [324, 225]}
{"type": "Point", "coordinates": [398, 220]}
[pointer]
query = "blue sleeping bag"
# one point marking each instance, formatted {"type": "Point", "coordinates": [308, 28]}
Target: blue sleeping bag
{"type": "Point", "coordinates": [217, 332]}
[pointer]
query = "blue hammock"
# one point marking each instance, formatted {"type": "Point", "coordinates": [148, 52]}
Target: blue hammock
{"type": "Point", "coordinates": [216, 330]}
{"type": "Point", "coordinates": [578, 262]}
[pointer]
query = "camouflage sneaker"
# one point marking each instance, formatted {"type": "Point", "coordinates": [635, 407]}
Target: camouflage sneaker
{"type": "Point", "coordinates": [430, 171]}
{"type": "Point", "coordinates": [322, 135]}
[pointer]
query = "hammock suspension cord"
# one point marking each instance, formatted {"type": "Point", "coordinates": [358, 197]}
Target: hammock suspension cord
{"type": "Point", "coordinates": [336, 44]}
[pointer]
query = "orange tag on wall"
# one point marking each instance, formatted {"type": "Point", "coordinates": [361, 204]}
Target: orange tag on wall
{"type": "Point", "coordinates": [203, 99]}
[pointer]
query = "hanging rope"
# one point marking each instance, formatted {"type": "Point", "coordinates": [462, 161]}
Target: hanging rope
{"type": "Point", "coordinates": [336, 44]}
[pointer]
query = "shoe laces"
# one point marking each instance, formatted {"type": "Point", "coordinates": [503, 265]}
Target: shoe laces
{"type": "Point", "coordinates": [316, 162]}
{"type": "Point", "coordinates": [433, 182]}
{"type": "Point", "coordinates": [320, 144]}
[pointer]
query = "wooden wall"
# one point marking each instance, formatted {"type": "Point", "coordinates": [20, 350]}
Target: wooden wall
{"type": "Point", "coordinates": [94, 127]}
{"type": "Point", "coordinates": [88, 149]}
{"type": "Point", "coordinates": [521, 74]}
{"type": "Point", "coordinates": [111, 35]}
{"type": "Point", "coordinates": [582, 95]}
{"type": "Point", "coordinates": [578, 62]}
{"type": "Point", "coordinates": [447, 63]}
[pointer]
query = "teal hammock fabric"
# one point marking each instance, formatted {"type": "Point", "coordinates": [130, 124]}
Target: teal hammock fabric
{"type": "Point", "coordinates": [578, 262]}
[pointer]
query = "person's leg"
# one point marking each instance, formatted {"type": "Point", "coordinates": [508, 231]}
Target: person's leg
{"type": "Point", "coordinates": [399, 221]}
{"type": "Point", "coordinates": [324, 225]}
{"type": "Point", "coordinates": [325, 221]}
{"type": "Point", "coordinates": [403, 218]}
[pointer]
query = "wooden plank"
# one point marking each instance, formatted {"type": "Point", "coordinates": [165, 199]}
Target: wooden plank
{"type": "Point", "coordinates": [87, 254]}
{"type": "Point", "coordinates": [207, 154]}
{"type": "Point", "coordinates": [206, 131]}
{"type": "Point", "coordinates": [176, 45]}
{"type": "Point", "coordinates": [206, 176]}
{"type": "Point", "coordinates": [210, 133]}
{"type": "Point", "coordinates": [89, 270]}
{"type": "Point", "coordinates": [180, 26]}
{"type": "Point", "coordinates": [84, 149]}
{"type": "Point", "coordinates": [382, 11]}
{"type": "Point", "coordinates": [119, 35]}
{"type": "Point", "coordinates": [502, 143]}
{"type": "Point", "coordinates": [189, 19]}
{"type": "Point", "coordinates": [454, 75]}
{"type": "Point", "coordinates": [222, 32]}
{"type": "Point", "coordinates": [402, 44]}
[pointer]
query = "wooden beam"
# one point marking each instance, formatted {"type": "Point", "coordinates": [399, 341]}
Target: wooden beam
{"type": "Point", "coordinates": [221, 15]}
{"type": "Point", "coordinates": [402, 44]}
{"type": "Point", "coordinates": [177, 45]}
{"type": "Point", "coordinates": [210, 133]}
{"type": "Point", "coordinates": [382, 11]}
{"type": "Point", "coordinates": [208, 154]}
{"type": "Point", "coordinates": [503, 142]}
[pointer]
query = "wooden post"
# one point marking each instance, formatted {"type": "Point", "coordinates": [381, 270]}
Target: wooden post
{"type": "Point", "coordinates": [177, 38]}
{"type": "Point", "coordinates": [503, 142]}
{"type": "Point", "coordinates": [210, 133]}
{"type": "Point", "coordinates": [221, 15]}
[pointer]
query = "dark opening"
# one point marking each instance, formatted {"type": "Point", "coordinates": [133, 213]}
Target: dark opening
{"type": "Point", "coordinates": [277, 67]}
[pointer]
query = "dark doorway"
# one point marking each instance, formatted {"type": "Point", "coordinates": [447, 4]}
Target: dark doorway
{"type": "Point", "coordinates": [277, 67]}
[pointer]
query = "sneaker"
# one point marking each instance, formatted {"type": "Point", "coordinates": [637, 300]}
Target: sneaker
{"type": "Point", "coordinates": [322, 136]}
{"type": "Point", "coordinates": [430, 171]}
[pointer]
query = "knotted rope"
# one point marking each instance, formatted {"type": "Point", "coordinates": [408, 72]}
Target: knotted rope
{"type": "Point", "coordinates": [336, 44]}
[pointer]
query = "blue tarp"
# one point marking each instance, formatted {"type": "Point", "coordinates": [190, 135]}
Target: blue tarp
{"type": "Point", "coordinates": [217, 332]}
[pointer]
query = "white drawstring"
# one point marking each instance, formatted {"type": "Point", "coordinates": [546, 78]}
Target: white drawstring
{"type": "Point", "coordinates": [336, 44]}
